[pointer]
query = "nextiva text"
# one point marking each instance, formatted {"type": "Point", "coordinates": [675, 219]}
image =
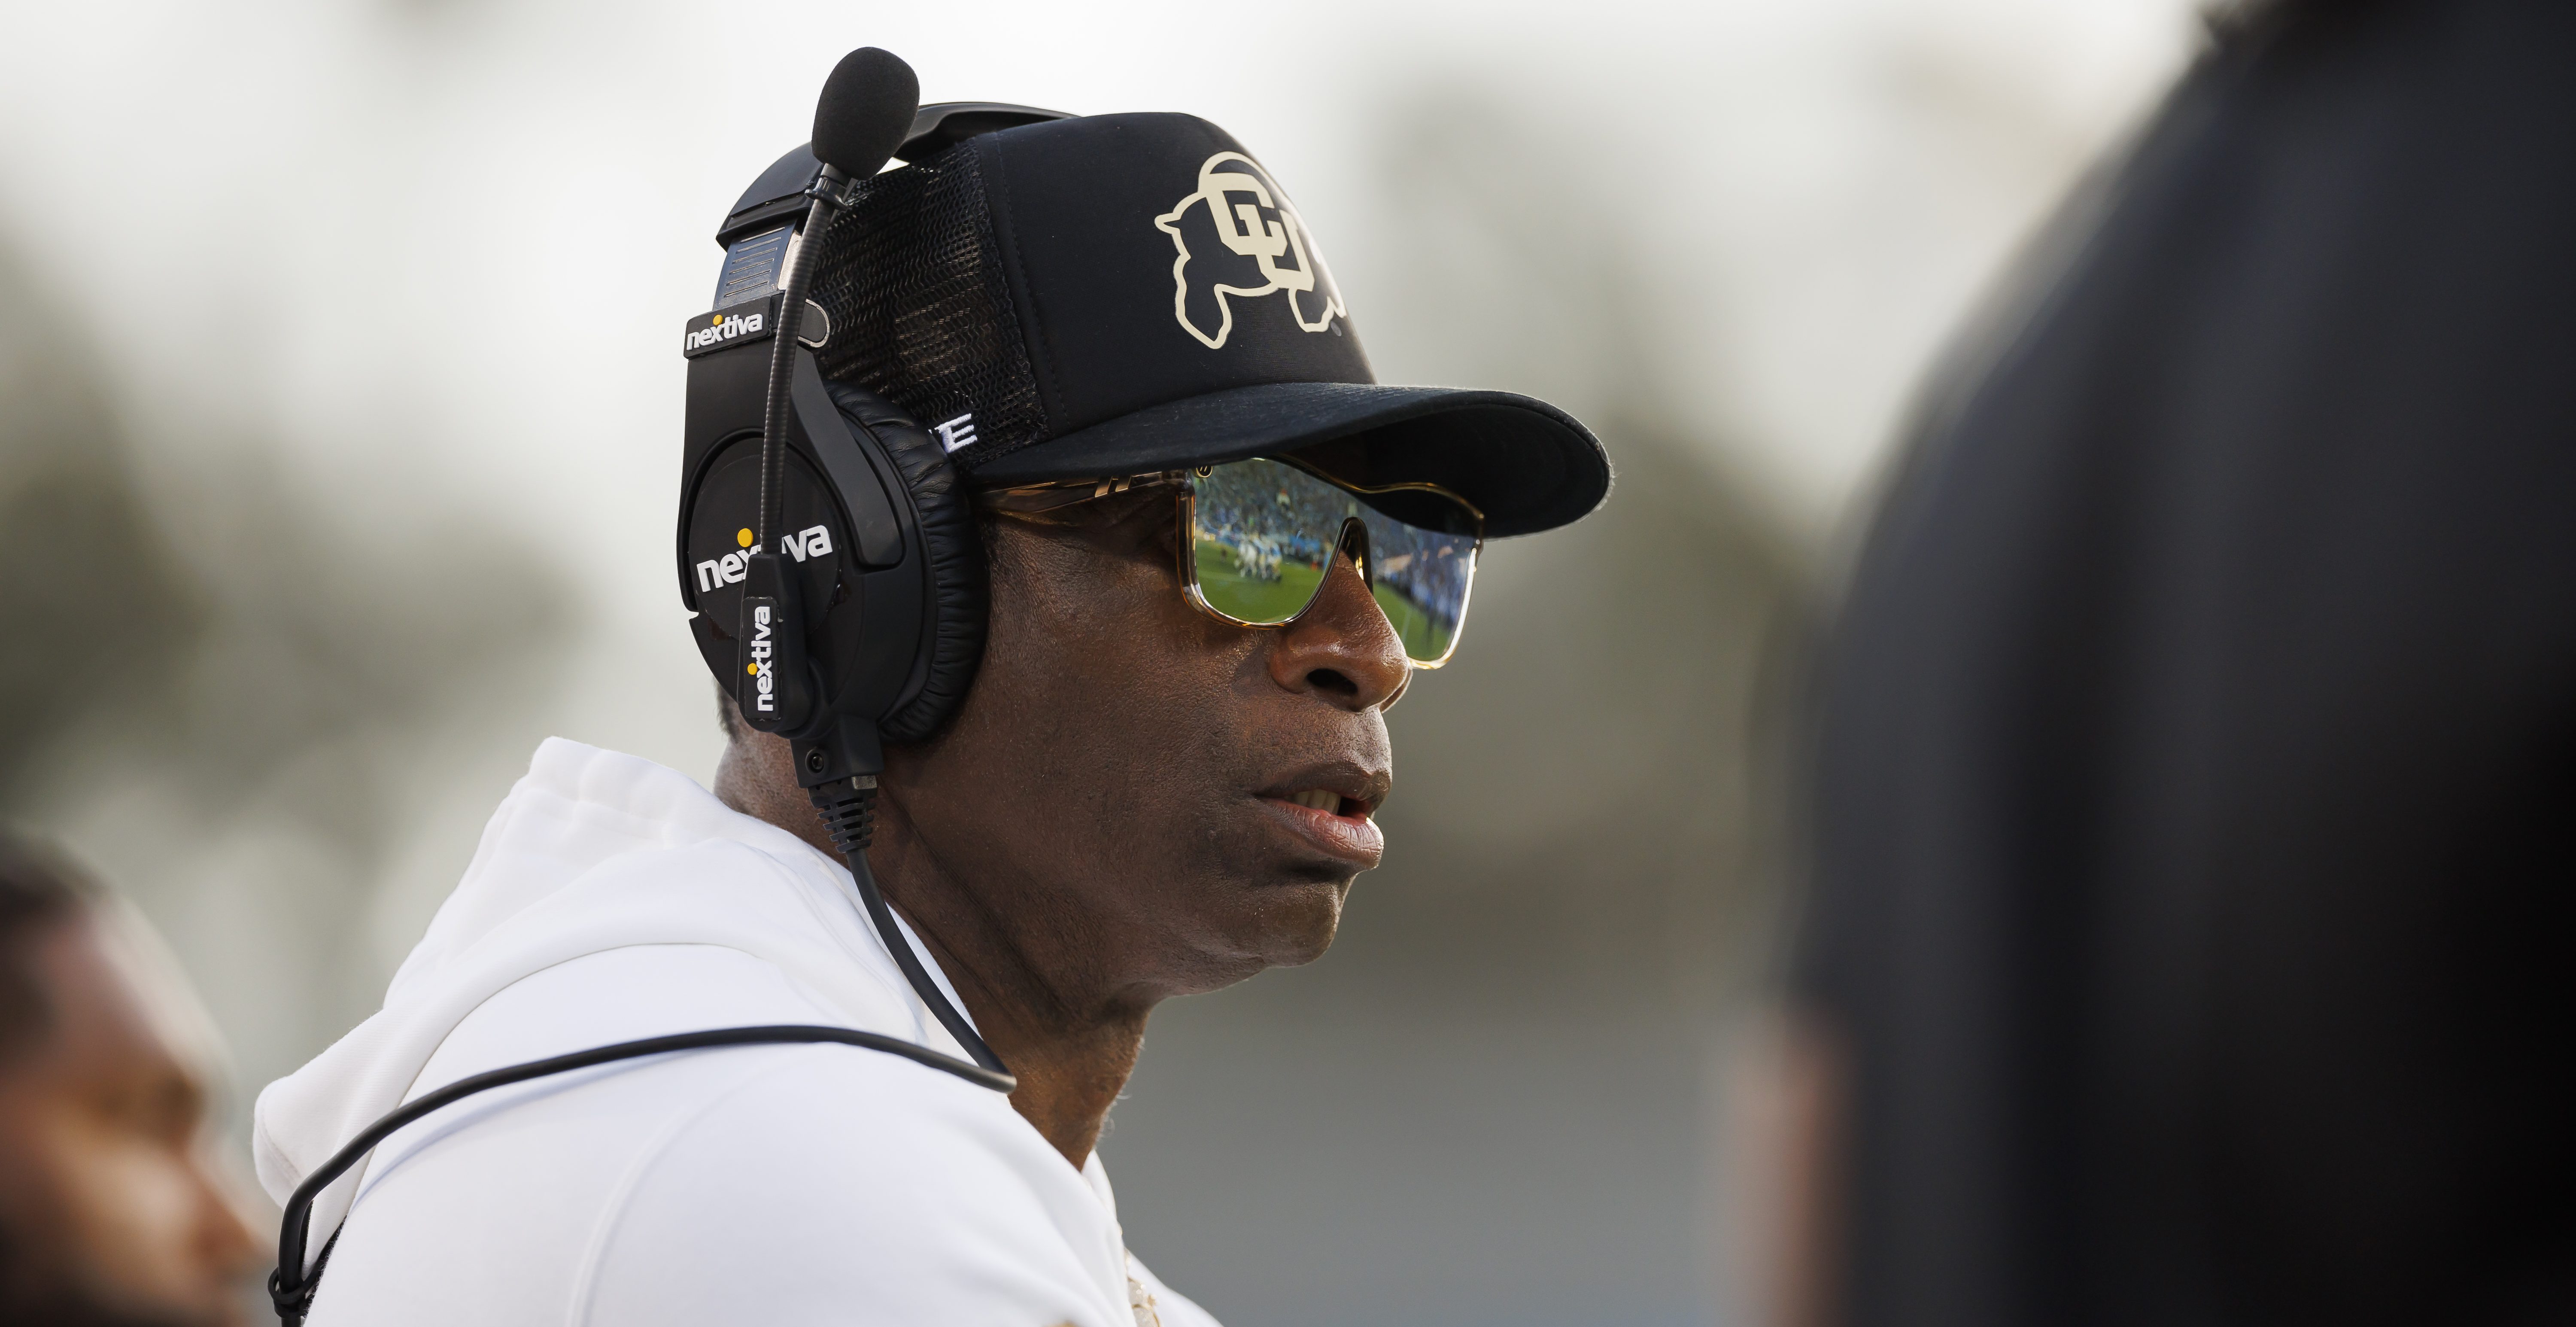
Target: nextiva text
{"type": "Point", "coordinates": [761, 682]}
{"type": "Point", "coordinates": [813, 541]}
{"type": "Point", "coordinates": [724, 329]}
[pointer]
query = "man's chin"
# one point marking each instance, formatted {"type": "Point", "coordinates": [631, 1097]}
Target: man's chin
{"type": "Point", "coordinates": [1299, 919]}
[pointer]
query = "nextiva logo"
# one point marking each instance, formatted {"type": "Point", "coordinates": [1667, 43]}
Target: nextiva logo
{"type": "Point", "coordinates": [721, 328]}
{"type": "Point", "coordinates": [763, 683]}
{"type": "Point", "coordinates": [812, 541]}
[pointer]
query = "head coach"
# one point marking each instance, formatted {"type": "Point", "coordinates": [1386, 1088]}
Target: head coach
{"type": "Point", "coordinates": [1063, 552]}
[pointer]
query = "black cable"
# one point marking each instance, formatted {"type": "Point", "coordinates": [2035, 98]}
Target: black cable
{"type": "Point", "coordinates": [292, 1294]}
{"type": "Point", "coordinates": [826, 193]}
{"type": "Point", "coordinates": [849, 812]}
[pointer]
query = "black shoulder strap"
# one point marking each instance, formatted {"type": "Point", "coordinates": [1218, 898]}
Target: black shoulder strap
{"type": "Point", "coordinates": [291, 1288]}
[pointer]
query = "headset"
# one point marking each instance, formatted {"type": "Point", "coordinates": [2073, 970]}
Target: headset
{"type": "Point", "coordinates": [828, 558]}
{"type": "Point", "coordinates": [827, 553]}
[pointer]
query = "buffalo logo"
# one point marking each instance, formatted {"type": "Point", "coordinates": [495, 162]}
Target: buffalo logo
{"type": "Point", "coordinates": [1248, 214]}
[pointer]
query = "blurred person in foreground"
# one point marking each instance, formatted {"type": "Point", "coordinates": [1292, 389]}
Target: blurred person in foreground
{"type": "Point", "coordinates": [1137, 797]}
{"type": "Point", "coordinates": [109, 1215]}
{"type": "Point", "coordinates": [2194, 924]}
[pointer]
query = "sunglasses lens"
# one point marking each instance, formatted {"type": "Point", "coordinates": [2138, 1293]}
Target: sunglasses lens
{"type": "Point", "coordinates": [1420, 577]}
{"type": "Point", "coordinates": [1264, 533]}
{"type": "Point", "coordinates": [1261, 536]}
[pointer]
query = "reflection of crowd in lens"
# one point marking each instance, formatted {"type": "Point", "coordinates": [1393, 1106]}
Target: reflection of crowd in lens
{"type": "Point", "coordinates": [1267, 514]}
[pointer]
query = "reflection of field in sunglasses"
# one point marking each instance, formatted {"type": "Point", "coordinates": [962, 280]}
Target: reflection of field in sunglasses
{"type": "Point", "coordinates": [1424, 639]}
{"type": "Point", "coordinates": [1242, 580]}
{"type": "Point", "coordinates": [1264, 533]}
{"type": "Point", "coordinates": [1234, 582]}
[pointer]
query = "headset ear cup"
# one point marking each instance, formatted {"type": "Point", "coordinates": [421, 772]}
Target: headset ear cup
{"type": "Point", "coordinates": [955, 550]}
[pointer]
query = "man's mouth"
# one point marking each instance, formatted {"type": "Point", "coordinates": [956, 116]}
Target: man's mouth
{"type": "Point", "coordinates": [1337, 822]}
{"type": "Point", "coordinates": [1318, 799]}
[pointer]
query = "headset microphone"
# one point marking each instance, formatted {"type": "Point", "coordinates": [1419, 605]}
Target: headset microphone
{"type": "Point", "coordinates": [865, 112]}
{"type": "Point", "coordinates": [863, 116]}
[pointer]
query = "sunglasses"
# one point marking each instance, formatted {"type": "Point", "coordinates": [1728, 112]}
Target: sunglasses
{"type": "Point", "coordinates": [1260, 536]}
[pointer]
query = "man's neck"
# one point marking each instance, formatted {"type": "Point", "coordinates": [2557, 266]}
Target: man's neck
{"type": "Point", "coordinates": [1072, 1049]}
{"type": "Point", "coordinates": [1068, 1083]}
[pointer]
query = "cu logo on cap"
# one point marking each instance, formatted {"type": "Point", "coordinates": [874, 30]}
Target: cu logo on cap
{"type": "Point", "coordinates": [1249, 217]}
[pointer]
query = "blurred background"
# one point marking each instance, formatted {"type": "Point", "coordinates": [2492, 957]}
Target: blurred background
{"type": "Point", "coordinates": [339, 400]}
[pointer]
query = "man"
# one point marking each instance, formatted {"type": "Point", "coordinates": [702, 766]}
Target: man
{"type": "Point", "coordinates": [2193, 926]}
{"type": "Point", "coordinates": [109, 1215]}
{"type": "Point", "coordinates": [1143, 794]}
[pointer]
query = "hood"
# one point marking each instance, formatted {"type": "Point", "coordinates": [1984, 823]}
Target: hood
{"type": "Point", "coordinates": [591, 851]}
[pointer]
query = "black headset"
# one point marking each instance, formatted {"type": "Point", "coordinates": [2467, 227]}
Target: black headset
{"type": "Point", "coordinates": [827, 555]}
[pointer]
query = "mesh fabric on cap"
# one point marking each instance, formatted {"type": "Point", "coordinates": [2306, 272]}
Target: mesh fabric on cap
{"type": "Point", "coordinates": [921, 313]}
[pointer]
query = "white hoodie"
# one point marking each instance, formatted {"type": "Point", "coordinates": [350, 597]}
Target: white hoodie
{"type": "Point", "coordinates": [613, 899]}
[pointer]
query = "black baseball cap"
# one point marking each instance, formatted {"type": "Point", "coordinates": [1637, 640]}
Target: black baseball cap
{"type": "Point", "coordinates": [1119, 294]}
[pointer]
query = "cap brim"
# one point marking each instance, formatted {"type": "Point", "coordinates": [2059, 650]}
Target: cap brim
{"type": "Point", "coordinates": [1524, 463]}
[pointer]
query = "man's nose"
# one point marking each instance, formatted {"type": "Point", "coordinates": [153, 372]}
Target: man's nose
{"type": "Point", "coordinates": [1343, 650]}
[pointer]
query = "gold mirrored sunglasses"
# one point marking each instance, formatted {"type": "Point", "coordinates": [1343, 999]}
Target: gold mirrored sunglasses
{"type": "Point", "coordinates": [1260, 537]}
